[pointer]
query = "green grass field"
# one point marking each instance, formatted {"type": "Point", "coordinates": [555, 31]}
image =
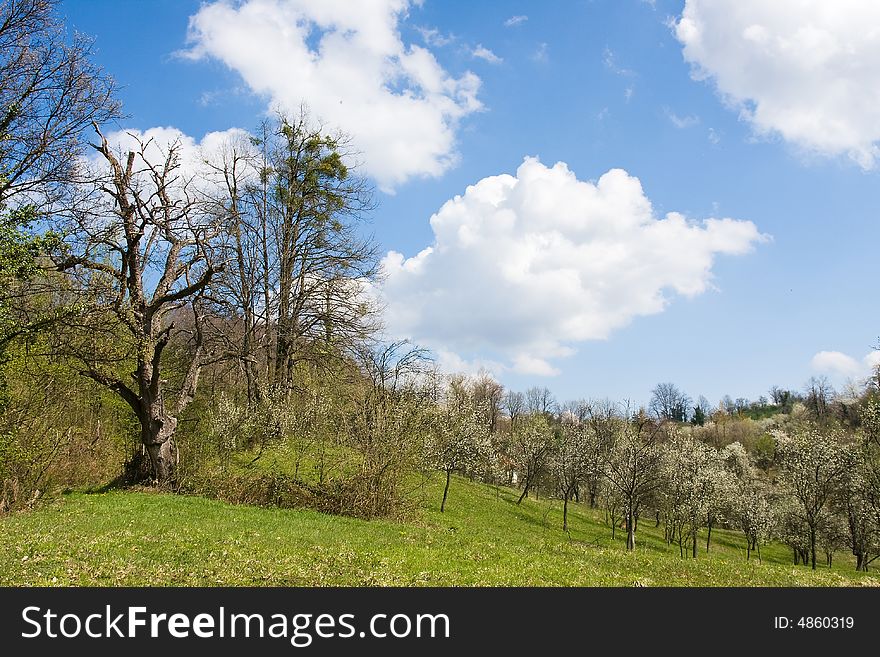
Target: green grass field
{"type": "Point", "coordinates": [484, 538]}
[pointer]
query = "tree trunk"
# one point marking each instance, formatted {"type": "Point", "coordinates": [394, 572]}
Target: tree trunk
{"type": "Point", "coordinates": [813, 547]}
{"type": "Point", "coordinates": [708, 534]}
{"type": "Point", "coordinates": [525, 492]}
{"type": "Point", "coordinates": [157, 435]}
{"type": "Point", "coordinates": [565, 514]}
{"type": "Point", "coordinates": [630, 530]}
{"type": "Point", "coordinates": [694, 544]}
{"type": "Point", "coordinates": [445, 491]}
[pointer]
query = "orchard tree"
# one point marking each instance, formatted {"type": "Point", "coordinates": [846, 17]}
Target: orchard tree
{"type": "Point", "coordinates": [531, 446]}
{"type": "Point", "coordinates": [749, 498]}
{"type": "Point", "coordinates": [693, 487]}
{"type": "Point", "coordinates": [459, 436]}
{"type": "Point", "coordinates": [570, 462]}
{"type": "Point", "coordinates": [814, 466]}
{"type": "Point", "coordinates": [858, 499]}
{"type": "Point", "coordinates": [602, 419]}
{"type": "Point", "coordinates": [634, 467]}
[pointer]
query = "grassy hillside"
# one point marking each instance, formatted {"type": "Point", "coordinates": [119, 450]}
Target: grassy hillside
{"type": "Point", "coordinates": [484, 538]}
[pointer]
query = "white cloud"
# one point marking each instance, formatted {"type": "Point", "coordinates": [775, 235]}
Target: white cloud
{"type": "Point", "coordinates": [841, 365]}
{"type": "Point", "coordinates": [541, 55]}
{"type": "Point", "coordinates": [348, 63]}
{"type": "Point", "coordinates": [524, 267]}
{"type": "Point", "coordinates": [482, 52]}
{"type": "Point", "coordinates": [681, 122]}
{"type": "Point", "coordinates": [433, 37]}
{"type": "Point", "coordinates": [808, 70]}
{"type": "Point", "coordinates": [513, 21]}
{"type": "Point", "coordinates": [610, 61]}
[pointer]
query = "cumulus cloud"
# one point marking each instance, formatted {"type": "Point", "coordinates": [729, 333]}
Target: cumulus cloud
{"type": "Point", "coordinates": [481, 52]}
{"type": "Point", "coordinates": [349, 64]}
{"type": "Point", "coordinates": [808, 70]}
{"type": "Point", "coordinates": [841, 365]}
{"type": "Point", "coordinates": [523, 267]}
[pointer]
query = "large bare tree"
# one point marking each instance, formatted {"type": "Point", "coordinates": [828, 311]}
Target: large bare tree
{"type": "Point", "coordinates": [137, 244]}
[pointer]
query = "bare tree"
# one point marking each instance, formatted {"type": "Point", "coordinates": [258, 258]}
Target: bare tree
{"type": "Point", "coordinates": [137, 244]}
{"type": "Point", "coordinates": [818, 396]}
{"type": "Point", "coordinates": [669, 403]}
{"type": "Point", "coordinates": [314, 261]}
{"type": "Point", "coordinates": [50, 92]}
{"type": "Point", "coordinates": [540, 400]}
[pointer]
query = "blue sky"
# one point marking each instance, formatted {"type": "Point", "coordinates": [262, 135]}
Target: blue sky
{"type": "Point", "coordinates": [720, 110]}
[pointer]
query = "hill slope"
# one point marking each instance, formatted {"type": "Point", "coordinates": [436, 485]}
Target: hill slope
{"type": "Point", "coordinates": [484, 538]}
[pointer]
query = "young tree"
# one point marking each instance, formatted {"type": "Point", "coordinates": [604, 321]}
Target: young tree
{"type": "Point", "coordinates": [749, 498]}
{"type": "Point", "coordinates": [570, 461]}
{"type": "Point", "coordinates": [459, 437]}
{"type": "Point", "coordinates": [634, 467]}
{"type": "Point", "coordinates": [603, 420]}
{"type": "Point", "coordinates": [814, 465]}
{"type": "Point", "coordinates": [693, 487]}
{"type": "Point", "coordinates": [531, 446]}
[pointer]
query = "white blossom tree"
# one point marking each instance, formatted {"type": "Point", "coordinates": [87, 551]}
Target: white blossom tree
{"type": "Point", "coordinates": [813, 468]}
{"type": "Point", "coordinates": [459, 437]}
{"type": "Point", "coordinates": [749, 498]}
{"type": "Point", "coordinates": [531, 447]}
{"type": "Point", "coordinates": [570, 462]}
{"type": "Point", "coordinates": [634, 467]}
{"type": "Point", "coordinates": [692, 491]}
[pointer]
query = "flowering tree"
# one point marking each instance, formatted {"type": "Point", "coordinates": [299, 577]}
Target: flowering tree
{"type": "Point", "coordinates": [693, 488]}
{"type": "Point", "coordinates": [748, 497]}
{"type": "Point", "coordinates": [531, 447]}
{"type": "Point", "coordinates": [459, 436]}
{"type": "Point", "coordinates": [813, 468]}
{"type": "Point", "coordinates": [570, 459]}
{"type": "Point", "coordinates": [858, 501]}
{"type": "Point", "coordinates": [634, 467]}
